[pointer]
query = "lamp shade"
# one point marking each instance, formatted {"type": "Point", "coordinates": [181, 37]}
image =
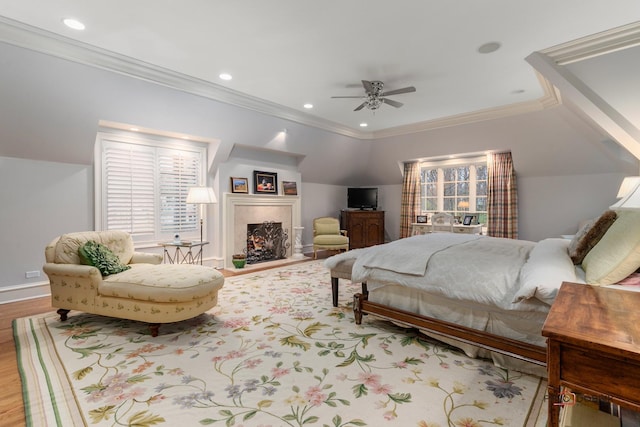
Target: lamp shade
{"type": "Point", "coordinates": [201, 195]}
{"type": "Point", "coordinates": [630, 201]}
{"type": "Point", "coordinates": [628, 183]}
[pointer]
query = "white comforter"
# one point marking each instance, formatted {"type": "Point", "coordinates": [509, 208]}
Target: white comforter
{"type": "Point", "coordinates": [478, 269]}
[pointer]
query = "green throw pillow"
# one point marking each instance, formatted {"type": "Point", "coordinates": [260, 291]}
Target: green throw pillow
{"type": "Point", "coordinates": [101, 257]}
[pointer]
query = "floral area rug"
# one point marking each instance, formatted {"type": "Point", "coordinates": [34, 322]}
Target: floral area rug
{"type": "Point", "coordinates": [275, 352]}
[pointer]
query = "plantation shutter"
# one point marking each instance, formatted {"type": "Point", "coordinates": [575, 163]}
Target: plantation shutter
{"type": "Point", "coordinates": [129, 193]}
{"type": "Point", "coordinates": [144, 187]}
{"type": "Point", "coordinates": [179, 170]}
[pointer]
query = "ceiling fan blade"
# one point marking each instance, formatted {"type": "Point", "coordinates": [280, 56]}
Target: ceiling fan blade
{"type": "Point", "coordinates": [368, 86]}
{"type": "Point", "coordinates": [360, 107]}
{"type": "Point", "coordinates": [399, 91]}
{"type": "Point", "coordinates": [348, 96]}
{"type": "Point", "coordinates": [392, 102]}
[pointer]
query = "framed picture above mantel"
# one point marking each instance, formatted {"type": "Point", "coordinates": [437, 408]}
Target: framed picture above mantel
{"type": "Point", "coordinates": [265, 182]}
{"type": "Point", "coordinates": [239, 185]}
{"type": "Point", "coordinates": [289, 188]}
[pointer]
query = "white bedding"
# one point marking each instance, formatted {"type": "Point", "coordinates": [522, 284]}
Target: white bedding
{"type": "Point", "coordinates": [478, 269]}
{"type": "Point", "coordinates": [400, 256]}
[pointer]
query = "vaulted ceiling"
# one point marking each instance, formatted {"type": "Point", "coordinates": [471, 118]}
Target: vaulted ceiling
{"type": "Point", "coordinates": [283, 54]}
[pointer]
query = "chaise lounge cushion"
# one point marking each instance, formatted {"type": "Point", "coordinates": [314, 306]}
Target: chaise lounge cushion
{"type": "Point", "coordinates": [162, 283]}
{"type": "Point", "coordinates": [66, 248]}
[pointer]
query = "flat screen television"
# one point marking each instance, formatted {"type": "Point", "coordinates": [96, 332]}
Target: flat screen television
{"type": "Point", "coordinates": [362, 198]}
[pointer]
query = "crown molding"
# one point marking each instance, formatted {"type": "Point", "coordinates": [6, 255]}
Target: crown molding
{"type": "Point", "coordinates": [36, 39]}
{"type": "Point", "coordinates": [598, 44]}
{"type": "Point", "coordinates": [550, 98]}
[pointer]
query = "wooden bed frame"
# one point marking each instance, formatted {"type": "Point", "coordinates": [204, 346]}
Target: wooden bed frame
{"type": "Point", "coordinates": [507, 346]}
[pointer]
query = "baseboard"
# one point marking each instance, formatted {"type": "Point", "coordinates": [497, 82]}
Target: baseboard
{"type": "Point", "coordinates": [9, 294]}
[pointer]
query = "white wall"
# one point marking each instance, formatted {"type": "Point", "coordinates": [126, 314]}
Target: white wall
{"type": "Point", "coordinates": [544, 213]}
{"type": "Point", "coordinates": [40, 200]}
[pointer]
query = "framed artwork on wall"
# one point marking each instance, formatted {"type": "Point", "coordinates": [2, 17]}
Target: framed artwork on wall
{"type": "Point", "coordinates": [239, 185]}
{"type": "Point", "coordinates": [265, 182]}
{"type": "Point", "coordinates": [289, 188]}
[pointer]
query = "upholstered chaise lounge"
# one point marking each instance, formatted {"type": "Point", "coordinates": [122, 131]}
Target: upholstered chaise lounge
{"type": "Point", "coordinates": [149, 291]}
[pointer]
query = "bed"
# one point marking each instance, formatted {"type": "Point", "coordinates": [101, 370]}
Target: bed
{"type": "Point", "coordinates": [489, 296]}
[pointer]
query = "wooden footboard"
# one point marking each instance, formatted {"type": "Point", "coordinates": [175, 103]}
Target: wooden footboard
{"type": "Point", "coordinates": [510, 347]}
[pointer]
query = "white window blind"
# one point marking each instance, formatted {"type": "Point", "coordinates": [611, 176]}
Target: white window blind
{"type": "Point", "coordinates": [129, 188]}
{"type": "Point", "coordinates": [179, 171]}
{"type": "Point", "coordinates": [144, 186]}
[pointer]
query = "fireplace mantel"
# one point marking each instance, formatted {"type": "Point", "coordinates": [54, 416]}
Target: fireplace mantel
{"type": "Point", "coordinates": [233, 203]}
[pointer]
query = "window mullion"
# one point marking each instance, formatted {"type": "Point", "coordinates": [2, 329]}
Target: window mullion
{"type": "Point", "coordinates": [472, 187]}
{"type": "Point", "coordinates": [440, 187]}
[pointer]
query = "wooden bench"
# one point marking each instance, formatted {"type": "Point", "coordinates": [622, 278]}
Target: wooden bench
{"type": "Point", "coordinates": [342, 271]}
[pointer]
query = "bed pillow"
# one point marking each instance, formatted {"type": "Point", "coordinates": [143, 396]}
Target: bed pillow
{"type": "Point", "coordinates": [617, 254]}
{"type": "Point", "coordinates": [589, 235]}
{"type": "Point", "coordinates": [101, 257]}
{"type": "Point", "coordinates": [547, 267]}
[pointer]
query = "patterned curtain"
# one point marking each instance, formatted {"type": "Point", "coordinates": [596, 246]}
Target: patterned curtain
{"type": "Point", "coordinates": [502, 197]}
{"type": "Point", "coordinates": [410, 197]}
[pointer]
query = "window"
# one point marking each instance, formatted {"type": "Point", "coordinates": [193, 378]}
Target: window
{"type": "Point", "coordinates": [457, 187]}
{"type": "Point", "coordinates": [142, 186]}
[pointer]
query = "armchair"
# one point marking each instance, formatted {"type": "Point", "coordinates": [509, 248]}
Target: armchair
{"type": "Point", "coordinates": [327, 235]}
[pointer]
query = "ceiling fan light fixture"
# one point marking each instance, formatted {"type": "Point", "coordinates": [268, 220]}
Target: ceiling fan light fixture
{"type": "Point", "coordinates": [374, 96]}
{"type": "Point", "coordinates": [373, 102]}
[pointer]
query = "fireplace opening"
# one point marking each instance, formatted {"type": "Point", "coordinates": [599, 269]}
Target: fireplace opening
{"type": "Point", "coordinates": [266, 241]}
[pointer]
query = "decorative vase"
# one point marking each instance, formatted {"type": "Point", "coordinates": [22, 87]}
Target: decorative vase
{"type": "Point", "coordinates": [239, 261]}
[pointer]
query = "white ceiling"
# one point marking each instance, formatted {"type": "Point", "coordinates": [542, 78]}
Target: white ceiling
{"type": "Point", "coordinates": [285, 53]}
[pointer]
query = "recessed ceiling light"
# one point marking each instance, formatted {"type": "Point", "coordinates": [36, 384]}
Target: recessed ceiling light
{"type": "Point", "coordinates": [363, 125]}
{"type": "Point", "coordinates": [489, 47]}
{"type": "Point", "coordinates": [308, 106]}
{"type": "Point", "coordinates": [73, 23]}
{"type": "Point", "coordinates": [225, 76]}
{"type": "Point", "coordinates": [134, 129]}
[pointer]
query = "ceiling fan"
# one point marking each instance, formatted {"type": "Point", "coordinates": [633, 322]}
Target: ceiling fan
{"type": "Point", "coordinates": [374, 96]}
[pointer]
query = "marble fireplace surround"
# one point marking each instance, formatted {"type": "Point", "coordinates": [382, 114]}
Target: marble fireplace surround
{"type": "Point", "coordinates": [242, 209]}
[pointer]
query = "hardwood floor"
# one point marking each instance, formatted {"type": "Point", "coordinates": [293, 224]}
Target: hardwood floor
{"type": "Point", "coordinates": [11, 403]}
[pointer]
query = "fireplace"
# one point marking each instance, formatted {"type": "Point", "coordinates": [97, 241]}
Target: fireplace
{"type": "Point", "coordinates": [242, 209]}
{"type": "Point", "coordinates": [266, 241]}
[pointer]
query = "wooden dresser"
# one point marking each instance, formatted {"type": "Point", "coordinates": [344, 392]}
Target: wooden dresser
{"type": "Point", "coordinates": [593, 346]}
{"type": "Point", "coordinates": [364, 228]}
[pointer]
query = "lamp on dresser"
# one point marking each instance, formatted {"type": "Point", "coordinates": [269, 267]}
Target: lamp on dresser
{"type": "Point", "coordinates": [201, 196]}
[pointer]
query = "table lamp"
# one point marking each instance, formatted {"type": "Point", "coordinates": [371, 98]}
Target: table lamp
{"type": "Point", "coordinates": [463, 204]}
{"type": "Point", "coordinates": [201, 196]}
{"type": "Point", "coordinates": [631, 199]}
{"type": "Point", "coordinates": [628, 183]}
